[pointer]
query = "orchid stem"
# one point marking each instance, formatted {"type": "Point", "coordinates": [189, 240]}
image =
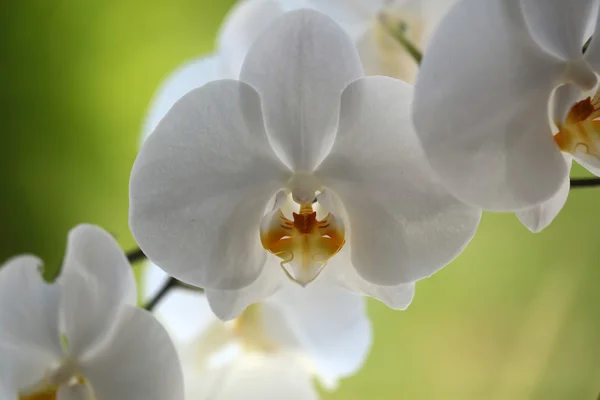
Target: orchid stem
{"type": "Point", "coordinates": [166, 287]}
{"type": "Point", "coordinates": [136, 255]}
{"type": "Point", "coordinates": [169, 284]}
{"type": "Point", "coordinates": [579, 183]}
{"type": "Point", "coordinates": [409, 46]}
{"type": "Point", "coordinates": [398, 32]}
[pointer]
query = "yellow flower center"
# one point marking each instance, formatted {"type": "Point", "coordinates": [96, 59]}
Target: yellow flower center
{"type": "Point", "coordinates": [49, 394]}
{"type": "Point", "coordinates": [305, 244]}
{"type": "Point", "coordinates": [580, 133]}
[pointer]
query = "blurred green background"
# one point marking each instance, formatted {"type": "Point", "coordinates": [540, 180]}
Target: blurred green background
{"type": "Point", "coordinates": [515, 317]}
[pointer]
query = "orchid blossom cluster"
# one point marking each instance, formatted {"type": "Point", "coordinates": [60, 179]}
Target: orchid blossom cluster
{"type": "Point", "coordinates": [295, 171]}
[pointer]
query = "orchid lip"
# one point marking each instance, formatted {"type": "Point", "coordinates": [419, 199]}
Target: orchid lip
{"type": "Point", "coordinates": [305, 244]}
{"type": "Point", "coordinates": [579, 135]}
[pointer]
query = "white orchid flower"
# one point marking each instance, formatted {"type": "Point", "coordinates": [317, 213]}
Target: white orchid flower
{"type": "Point", "coordinates": [492, 71]}
{"type": "Point", "coordinates": [274, 349]}
{"type": "Point", "coordinates": [376, 26]}
{"type": "Point", "coordinates": [209, 186]}
{"type": "Point", "coordinates": [371, 25]}
{"type": "Point", "coordinates": [82, 338]}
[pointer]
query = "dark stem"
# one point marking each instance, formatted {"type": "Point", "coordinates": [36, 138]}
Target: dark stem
{"type": "Point", "coordinates": [409, 47]}
{"type": "Point", "coordinates": [398, 32]}
{"type": "Point", "coordinates": [577, 183]}
{"type": "Point", "coordinates": [168, 285]}
{"type": "Point", "coordinates": [135, 256]}
{"type": "Point", "coordinates": [138, 255]}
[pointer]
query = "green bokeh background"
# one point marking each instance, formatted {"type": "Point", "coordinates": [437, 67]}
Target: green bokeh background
{"type": "Point", "coordinates": [514, 317]}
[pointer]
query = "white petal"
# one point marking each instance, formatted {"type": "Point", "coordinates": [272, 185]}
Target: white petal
{"type": "Point", "coordinates": [21, 368]}
{"type": "Point", "coordinates": [589, 162]}
{"type": "Point", "coordinates": [330, 324]}
{"type": "Point", "coordinates": [138, 363]}
{"type": "Point", "coordinates": [403, 225]}
{"type": "Point", "coordinates": [300, 65]}
{"type": "Point", "coordinates": [539, 217]}
{"type": "Point", "coordinates": [481, 108]}
{"type": "Point", "coordinates": [350, 13]}
{"type": "Point", "coordinates": [187, 77]}
{"type": "Point", "coordinates": [564, 98]}
{"type": "Point", "coordinates": [273, 377]}
{"type": "Point", "coordinates": [6, 392]}
{"type": "Point", "coordinates": [29, 313]}
{"type": "Point", "coordinates": [340, 269]}
{"type": "Point", "coordinates": [96, 281]}
{"type": "Point", "coordinates": [244, 24]}
{"type": "Point", "coordinates": [560, 27]}
{"type": "Point", "coordinates": [592, 55]}
{"type": "Point", "coordinates": [200, 185]}
{"type": "Point", "coordinates": [228, 304]}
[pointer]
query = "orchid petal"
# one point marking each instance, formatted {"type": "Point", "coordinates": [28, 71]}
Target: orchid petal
{"type": "Point", "coordinates": [403, 225]}
{"type": "Point", "coordinates": [29, 315]}
{"type": "Point", "coordinates": [340, 270]}
{"type": "Point", "coordinates": [256, 376]}
{"type": "Point", "coordinates": [565, 97]}
{"type": "Point", "coordinates": [592, 54]}
{"type": "Point", "coordinates": [330, 324]}
{"type": "Point", "coordinates": [246, 21]}
{"type": "Point", "coordinates": [228, 304]}
{"type": "Point", "coordinates": [352, 13]}
{"type": "Point", "coordinates": [200, 185]}
{"type": "Point", "coordinates": [560, 27]}
{"type": "Point", "coordinates": [128, 368]}
{"type": "Point", "coordinates": [187, 77]}
{"type": "Point", "coordinates": [588, 161]}
{"type": "Point", "coordinates": [481, 108]}
{"type": "Point", "coordinates": [96, 281]}
{"type": "Point", "coordinates": [538, 218]}
{"type": "Point", "coordinates": [300, 65]}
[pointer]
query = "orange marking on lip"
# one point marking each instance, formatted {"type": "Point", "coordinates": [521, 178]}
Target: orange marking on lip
{"type": "Point", "coordinates": [581, 131]}
{"type": "Point", "coordinates": [308, 245]}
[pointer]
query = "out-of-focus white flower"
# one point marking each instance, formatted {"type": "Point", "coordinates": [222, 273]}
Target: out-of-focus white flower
{"type": "Point", "coordinates": [375, 25]}
{"type": "Point", "coordinates": [370, 23]}
{"type": "Point", "coordinates": [303, 121]}
{"type": "Point", "coordinates": [274, 349]}
{"type": "Point", "coordinates": [492, 71]}
{"type": "Point", "coordinates": [82, 338]}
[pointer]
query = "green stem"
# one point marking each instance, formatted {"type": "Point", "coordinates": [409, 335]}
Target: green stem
{"type": "Point", "coordinates": [577, 183]}
{"type": "Point", "coordinates": [169, 284]}
{"type": "Point", "coordinates": [135, 256]}
{"type": "Point", "coordinates": [409, 46]}
{"type": "Point", "coordinates": [399, 33]}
